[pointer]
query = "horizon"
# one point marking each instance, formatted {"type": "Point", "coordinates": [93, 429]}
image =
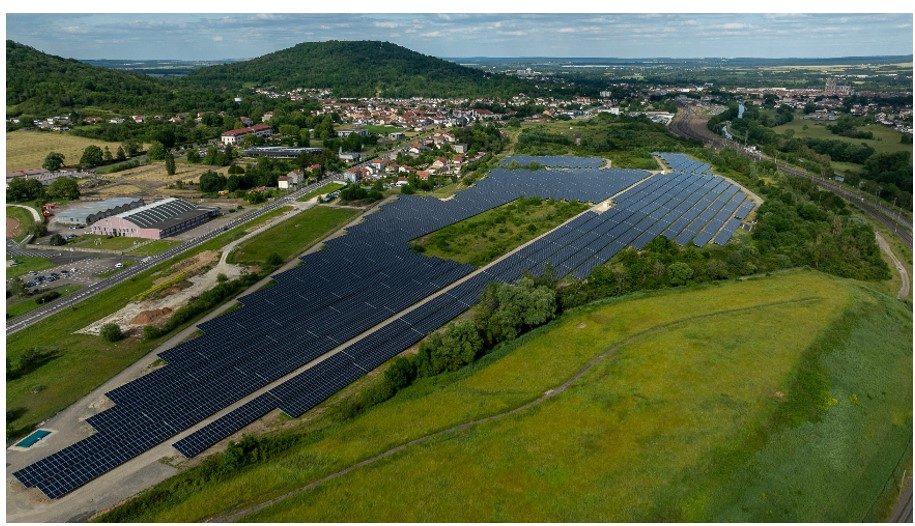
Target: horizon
{"type": "Point", "coordinates": [209, 37]}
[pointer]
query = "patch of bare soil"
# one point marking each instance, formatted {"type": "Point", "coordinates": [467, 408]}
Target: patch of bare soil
{"type": "Point", "coordinates": [152, 317]}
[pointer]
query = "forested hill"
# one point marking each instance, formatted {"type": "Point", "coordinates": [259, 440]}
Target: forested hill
{"type": "Point", "coordinates": [37, 83]}
{"type": "Point", "coordinates": [359, 69]}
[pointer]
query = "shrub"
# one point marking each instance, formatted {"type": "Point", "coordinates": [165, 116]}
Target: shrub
{"type": "Point", "coordinates": [111, 332]}
{"type": "Point", "coordinates": [57, 240]}
{"type": "Point", "coordinates": [46, 297]}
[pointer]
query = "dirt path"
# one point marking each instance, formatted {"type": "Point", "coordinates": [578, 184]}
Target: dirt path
{"type": "Point", "coordinates": [12, 228]}
{"type": "Point", "coordinates": [547, 395]}
{"type": "Point", "coordinates": [35, 214]}
{"type": "Point", "coordinates": [900, 268]}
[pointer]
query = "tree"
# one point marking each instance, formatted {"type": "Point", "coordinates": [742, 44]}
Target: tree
{"type": "Point", "coordinates": [92, 157]}
{"type": "Point", "coordinates": [407, 189]}
{"type": "Point", "coordinates": [401, 373]}
{"type": "Point", "coordinates": [120, 155]}
{"type": "Point", "coordinates": [111, 332]}
{"type": "Point", "coordinates": [193, 156]}
{"type": "Point", "coordinates": [63, 188]}
{"type": "Point", "coordinates": [156, 151]}
{"type": "Point", "coordinates": [57, 240]}
{"type": "Point", "coordinates": [211, 182]}
{"type": "Point", "coordinates": [107, 155]}
{"type": "Point", "coordinates": [20, 189]}
{"type": "Point", "coordinates": [53, 162]}
{"type": "Point", "coordinates": [132, 147]}
{"type": "Point", "coordinates": [169, 163]}
{"type": "Point", "coordinates": [679, 273]}
{"type": "Point", "coordinates": [16, 287]}
{"type": "Point", "coordinates": [274, 259]}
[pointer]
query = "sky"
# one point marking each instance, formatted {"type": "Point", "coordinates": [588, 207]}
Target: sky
{"type": "Point", "coordinates": [233, 36]}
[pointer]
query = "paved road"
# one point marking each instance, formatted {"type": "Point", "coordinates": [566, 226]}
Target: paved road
{"type": "Point", "coordinates": [902, 511]}
{"type": "Point", "coordinates": [688, 123]}
{"type": "Point", "coordinates": [49, 309]}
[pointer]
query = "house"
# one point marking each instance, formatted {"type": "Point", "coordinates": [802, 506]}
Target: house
{"type": "Point", "coordinates": [397, 136]}
{"type": "Point", "coordinates": [349, 156]}
{"type": "Point", "coordinates": [346, 132]}
{"type": "Point", "coordinates": [246, 121]}
{"type": "Point", "coordinates": [423, 175]}
{"type": "Point", "coordinates": [267, 116]}
{"type": "Point", "coordinates": [283, 182]}
{"type": "Point", "coordinates": [236, 135]}
{"type": "Point", "coordinates": [406, 170]}
{"type": "Point", "coordinates": [295, 177]}
{"type": "Point", "coordinates": [459, 147]}
{"type": "Point", "coordinates": [377, 164]}
{"type": "Point", "coordinates": [439, 163]}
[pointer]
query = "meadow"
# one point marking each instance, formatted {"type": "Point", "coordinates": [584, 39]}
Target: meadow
{"type": "Point", "coordinates": [292, 236]}
{"type": "Point", "coordinates": [27, 149]}
{"type": "Point", "coordinates": [886, 140]}
{"type": "Point", "coordinates": [24, 222]}
{"type": "Point", "coordinates": [326, 189]}
{"type": "Point", "coordinates": [486, 236]}
{"type": "Point", "coordinates": [668, 405]}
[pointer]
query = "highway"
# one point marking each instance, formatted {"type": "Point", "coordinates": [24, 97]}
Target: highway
{"type": "Point", "coordinates": [689, 124]}
{"type": "Point", "coordinates": [54, 307]}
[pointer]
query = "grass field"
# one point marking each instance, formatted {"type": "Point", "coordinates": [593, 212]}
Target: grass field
{"type": "Point", "coordinates": [27, 149]}
{"type": "Point", "coordinates": [698, 410]}
{"type": "Point", "coordinates": [154, 247]}
{"type": "Point", "coordinates": [24, 305]}
{"type": "Point", "coordinates": [24, 222]}
{"type": "Point", "coordinates": [383, 130]}
{"type": "Point", "coordinates": [82, 361]}
{"type": "Point", "coordinates": [326, 189]}
{"type": "Point", "coordinates": [484, 237]}
{"type": "Point", "coordinates": [151, 180]}
{"type": "Point", "coordinates": [885, 139]}
{"type": "Point", "coordinates": [26, 264]}
{"type": "Point", "coordinates": [293, 236]}
{"type": "Point", "coordinates": [106, 242]}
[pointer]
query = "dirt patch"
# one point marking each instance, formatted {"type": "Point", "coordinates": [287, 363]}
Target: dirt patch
{"type": "Point", "coordinates": [189, 265]}
{"type": "Point", "coordinates": [152, 317]}
{"type": "Point", "coordinates": [12, 227]}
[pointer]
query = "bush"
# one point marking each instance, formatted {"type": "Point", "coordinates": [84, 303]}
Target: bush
{"type": "Point", "coordinates": [111, 332]}
{"type": "Point", "coordinates": [274, 259]}
{"type": "Point", "coordinates": [679, 273]}
{"type": "Point", "coordinates": [57, 240]}
{"type": "Point", "coordinates": [46, 297]}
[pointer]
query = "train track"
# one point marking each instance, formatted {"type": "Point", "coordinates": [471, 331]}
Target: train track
{"type": "Point", "coordinates": [690, 125]}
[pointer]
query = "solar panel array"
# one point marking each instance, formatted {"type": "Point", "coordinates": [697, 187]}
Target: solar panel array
{"type": "Point", "coordinates": [366, 278]}
{"type": "Point", "coordinates": [556, 161]}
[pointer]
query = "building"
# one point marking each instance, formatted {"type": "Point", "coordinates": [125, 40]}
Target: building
{"type": "Point", "coordinates": [158, 220]}
{"type": "Point", "coordinates": [346, 132]}
{"type": "Point", "coordinates": [42, 175]}
{"type": "Point", "coordinates": [236, 135]}
{"type": "Point", "coordinates": [88, 213]}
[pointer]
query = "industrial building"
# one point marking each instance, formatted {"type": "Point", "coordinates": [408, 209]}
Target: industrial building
{"type": "Point", "coordinates": [158, 220]}
{"type": "Point", "coordinates": [88, 213]}
{"type": "Point", "coordinates": [279, 152]}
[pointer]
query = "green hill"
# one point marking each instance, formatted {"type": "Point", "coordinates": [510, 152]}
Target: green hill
{"type": "Point", "coordinates": [40, 84]}
{"type": "Point", "coordinates": [363, 68]}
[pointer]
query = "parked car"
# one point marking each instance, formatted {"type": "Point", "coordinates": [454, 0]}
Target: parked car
{"type": "Point", "coordinates": [118, 265]}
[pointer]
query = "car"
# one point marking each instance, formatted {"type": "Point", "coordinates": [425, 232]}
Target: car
{"type": "Point", "coordinates": [118, 265]}
{"type": "Point", "coordinates": [73, 269]}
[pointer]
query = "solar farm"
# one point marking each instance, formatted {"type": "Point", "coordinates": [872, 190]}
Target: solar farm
{"type": "Point", "coordinates": [366, 296]}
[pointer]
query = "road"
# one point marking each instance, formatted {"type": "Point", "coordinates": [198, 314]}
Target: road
{"type": "Point", "coordinates": [900, 268]}
{"type": "Point", "coordinates": [49, 309]}
{"type": "Point", "coordinates": [690, 124]}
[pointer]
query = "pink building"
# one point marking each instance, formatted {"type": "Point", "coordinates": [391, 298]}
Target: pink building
{"type": "Point", "coordinates": [161, 219]}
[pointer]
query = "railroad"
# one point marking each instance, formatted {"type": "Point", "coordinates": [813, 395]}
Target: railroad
{"type": "Point", "coordinates": [691, 126]}
{"type": "Point", "coordinates": [52, 308]}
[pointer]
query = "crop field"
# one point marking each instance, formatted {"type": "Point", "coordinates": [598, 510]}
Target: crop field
{"type": "Point", "coordinates": [664, 406]}
{"type": "Point", "coordinates": [885, 139]}
{"type": "Point", "coordinates": [484, 237]}
{"type": "Point", "coordinates": [293, 236]}
{"type": "Point", "coordinates": [19, 222]}
{"type": "Point", "coordinates": [27, 149]}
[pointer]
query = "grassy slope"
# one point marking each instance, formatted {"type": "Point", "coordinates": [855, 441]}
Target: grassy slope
{"type": "Point", "coordinates": [85, 361]}
{"type": "Point", "coordinates": [484, 237]}
{"type": "Point", "coordinates": [292, 236]}
{"type": "Point", "coordinates": [673, 428]}
{"type": "Point", "coordinates": [24, 219]}
{"type": "Point", "coordinates": [885, 139]}
{"type": "Point", "coordinates": [666, 407]}
{"type": "Point", "coordinates": [27, 149]}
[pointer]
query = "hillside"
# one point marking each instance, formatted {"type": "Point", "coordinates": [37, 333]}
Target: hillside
{"type": "Point", "coordinates": [362, 68]}
{"type": "Point", "coordinates": [661, 406]}
{"type": "Point", "coordinates": [38, 84]}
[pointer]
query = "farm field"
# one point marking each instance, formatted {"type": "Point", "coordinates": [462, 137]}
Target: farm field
{"type": "Point", "coordinates": [151, 180]}
{"type": "Point", "coordinates": [27, 149]}
{"type": "Point", "coordinates": [292, 236]}
{"type": "Point", "coordinates": [326, 189]}
{"type": "Point", "coordinates": [19, 222]}
{"type": "Point", "coordinates": [26, 264]}
{"type": "Point", "coordinates": [666, 406]}
{"type": "Point", "coordinates": [484, 237]}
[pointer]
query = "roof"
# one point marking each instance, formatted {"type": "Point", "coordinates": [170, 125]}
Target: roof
{"type": "Point", "coordinates": [163, 214]}
{"type": "Point", "coordinates": [85, 210]}
{"type": "Point", "coordinates": [246, 130]}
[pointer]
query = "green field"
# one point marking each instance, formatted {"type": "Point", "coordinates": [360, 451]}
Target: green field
{"type": "Point", "coordinates": [484, 237]}
{"type": "Point", "coordinates": [116, 243]}
{"type": "Point", "coordinates": [24, 305]}
{"type": "Point", "coordinates": [326, 189]}
{"type": "Point", "coordinates": [154, 247]}
{"type": "Point", "coordinates": [24, 222]}
{"type": "Point", "coordinates": [26, 264]}
{"type": "Point", "coordinates": [293, 236]}
{"type": "Point", "coordinates": [383, 130]}
{"type": "Point", "coordinates": [885, 139]}
{"type": "Point", "coordinates": [792, 401]}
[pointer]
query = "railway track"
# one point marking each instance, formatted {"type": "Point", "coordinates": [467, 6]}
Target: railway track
{"type": "Point", "coordinates": [690, 125]}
